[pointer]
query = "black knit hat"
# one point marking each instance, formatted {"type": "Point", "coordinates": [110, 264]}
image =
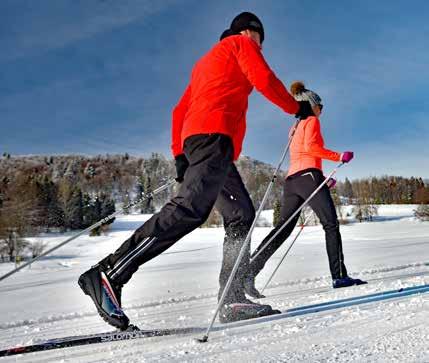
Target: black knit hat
{"type": "Point", "coordinates": [227, 33]}
{"type": "Point", "coordinates": [246, 21]}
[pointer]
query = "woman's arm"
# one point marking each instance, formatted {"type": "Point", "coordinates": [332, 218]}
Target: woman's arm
{"type": "Point", "coordinates": [312, 143]}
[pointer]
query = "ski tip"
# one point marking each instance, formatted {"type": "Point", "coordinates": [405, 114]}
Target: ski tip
{"type": "Point", "coordinates": [204, 339]}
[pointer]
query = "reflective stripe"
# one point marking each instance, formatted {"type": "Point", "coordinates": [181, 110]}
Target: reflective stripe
{"type": "Point", "coordinates": [106, 283]}
{"type": "Point", "coordinates": [123, 259]}
{"type": "Point", "coordinates": [340, 252]}
{"type": "Point", "coordinates": [131, 256]}
{"type": "Point", "coordinates": [309, 173]}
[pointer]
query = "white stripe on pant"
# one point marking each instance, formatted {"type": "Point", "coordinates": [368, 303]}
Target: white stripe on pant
{"type": "Point", "coordinates": [125, 261]}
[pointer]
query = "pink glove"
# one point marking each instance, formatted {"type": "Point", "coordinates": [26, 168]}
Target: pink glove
{"type": "Point", "coordinates": [331, 183]}
{"type": "Point", "coordinates": [346, 156]}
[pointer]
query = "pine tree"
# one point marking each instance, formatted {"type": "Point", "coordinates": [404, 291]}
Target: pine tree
{"type": "Point", "coordinates": [277, 212]}
{"type": "Point", "coordinates": [147, 205]}
{"type": "Point", "coordinates": [98, 208]}
{"type": "Point", "coordinates": [338, 205]}
{"type": "Point", "coordinates": [55, 212]}
{"type": "Point", "coordinates": [49, 213]}
{"type": "Point", "coordinates": [72, 206]}
{"type": "Point", "coordinates": [140, 189]}
{"type": "Point", "coordinates": [348, 190]}
{"type": "Point", "coordinates": [107, 208]}
{"type": "Point", "coordinates": [126, 200]}
{"type": "Point", "coordinates": [144, 188]}
{"type": "Point", "coordinates": [87, 211]}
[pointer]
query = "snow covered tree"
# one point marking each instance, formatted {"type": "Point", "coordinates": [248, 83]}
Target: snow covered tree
{"type": "Point", "coordinates": [95, 209]}
{"type": "Point", "coordinates": [88, 213]}
{"type": "Point", "coordinates": [36, 248]}
{"type": "Point", "coordinates": [12, 244]}
{"type": "Point", "coordinates": [72, 205]}
{"type": "Point", "coordinates": [125, 201]}
{"type": "Point", "coordinates": [107, 207]}
{"type": "Point", "coordinates": [422, 212]}
{"type": "Point", "coordinates": [364, 212]}
{"type": "Point", "coordinates": [144, 188]}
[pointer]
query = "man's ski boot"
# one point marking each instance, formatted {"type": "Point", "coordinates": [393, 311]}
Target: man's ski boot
{"type": "Point", "coordinates": [250, 289]}
{"type": "Point", "coordinates": [105, 295]}
{"type": "Point", "coordinates": [346, 281]}
{"type": "Point", "coordinates": [244, 310]}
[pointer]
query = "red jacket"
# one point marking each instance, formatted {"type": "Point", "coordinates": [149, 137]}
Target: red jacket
{"type": "Point", "coordinates": [215, 101]}
{"type": "Point", "coordinates": [307, 147]}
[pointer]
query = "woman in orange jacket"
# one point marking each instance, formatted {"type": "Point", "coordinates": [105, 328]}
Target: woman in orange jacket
{"type": "Point", "coordinates": [304, 175]}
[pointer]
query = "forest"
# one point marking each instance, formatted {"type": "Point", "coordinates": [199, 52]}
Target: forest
{"type": "Point", "coordinates": [71, 192]}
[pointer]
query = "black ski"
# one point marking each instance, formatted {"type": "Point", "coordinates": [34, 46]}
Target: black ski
{"type": "Point", "coordinates": [135, 333]}
{"type": "Point", "coordinates": [114, 336]}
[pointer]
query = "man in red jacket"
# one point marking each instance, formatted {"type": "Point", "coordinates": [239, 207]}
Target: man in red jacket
{"type": "Point", "coordinates": [208, 129]}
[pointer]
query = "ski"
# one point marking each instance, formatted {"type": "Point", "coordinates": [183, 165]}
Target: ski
{"type": "Point", "coordinates": [357, 300]}
{"type": "Point", "coordinates": [326, 289]}
{"type": "Point", "coordinates": [331, 305]}
{"type": "Point", "coordinates": [114, 336]}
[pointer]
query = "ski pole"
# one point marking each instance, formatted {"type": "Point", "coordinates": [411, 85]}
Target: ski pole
{"type": "Point", "coordinates": [90, 228]}
{"type": "Point", "coordinates": [249, 234]}
{"type": "Point", "coordinates": [297, 211]}
{"type": "Point", "coordinates": [284, 256]}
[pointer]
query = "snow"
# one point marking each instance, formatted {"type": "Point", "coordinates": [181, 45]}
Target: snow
{"type": "Point", "coordinates": [179, 289]}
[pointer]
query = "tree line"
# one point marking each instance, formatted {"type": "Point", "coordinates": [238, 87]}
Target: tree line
{"type": "Point", "coordinates": [367, 193]}
{"type": "Point", "coordinates": [68, 192]}
{"type": "Point", "coordinates": [33, 203]}
{"type": "Point", "coordinates": [384, 190]}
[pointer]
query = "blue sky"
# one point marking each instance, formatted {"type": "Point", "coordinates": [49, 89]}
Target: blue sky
{"type": "Point", "coordinates": [90, 77]}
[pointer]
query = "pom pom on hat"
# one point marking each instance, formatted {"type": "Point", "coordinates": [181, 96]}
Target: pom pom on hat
{"type": "Point", "coordinates": [297, 87]}
{"type": "Point", "coordinates": [300, 93]}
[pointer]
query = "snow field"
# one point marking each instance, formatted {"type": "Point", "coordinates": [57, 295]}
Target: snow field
{"type": "Point", "coordinates": [179, 289]}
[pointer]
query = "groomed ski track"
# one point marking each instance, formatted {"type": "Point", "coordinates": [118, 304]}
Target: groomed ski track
{"type": "Point", "coordinates": [67, 342]}
{"type": "Point", "coordinates": [257, 330]}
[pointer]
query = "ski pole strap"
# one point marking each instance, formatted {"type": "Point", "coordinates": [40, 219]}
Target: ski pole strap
{"type": "Point", "coordinates": [297, 211]}
{"type": "Point", "coordinates": [89, 229]}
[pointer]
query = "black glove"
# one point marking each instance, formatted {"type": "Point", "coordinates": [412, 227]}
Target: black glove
{"type": "Point", "coordinates": [181, 165]}
{"type": "Point", "coordinates": [304, 111]}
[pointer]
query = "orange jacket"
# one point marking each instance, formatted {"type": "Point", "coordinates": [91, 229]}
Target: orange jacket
{"type": "Point", "coordinates": [215, 101]}
{"type": "Point", "coordinates": [307, 147]}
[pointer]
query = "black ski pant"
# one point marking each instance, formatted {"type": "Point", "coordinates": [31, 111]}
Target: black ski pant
{"type": "Point", "coordinates": [297, 189]}
{"type": "Point", "coordinates": [210, 180]}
